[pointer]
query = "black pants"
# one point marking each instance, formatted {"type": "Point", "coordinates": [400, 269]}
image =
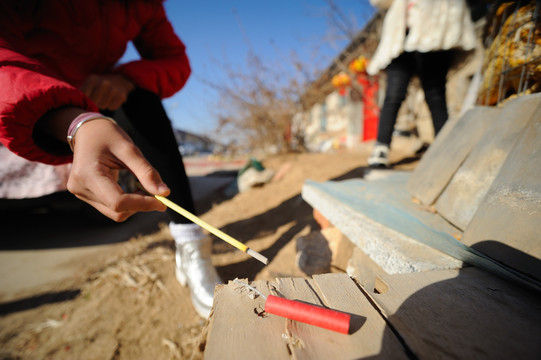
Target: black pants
{"type": "Point", "coordinates": [432, 68]}
{"type": "Point", "coordinates": [143, 117]}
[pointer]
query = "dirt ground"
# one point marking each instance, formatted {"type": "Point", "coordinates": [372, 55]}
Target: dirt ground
{"type": "Point", "coordinates": [128, 305]}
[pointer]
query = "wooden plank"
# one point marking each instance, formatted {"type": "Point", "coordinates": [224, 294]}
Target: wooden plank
{"type": "Point", "coordinates": [447, 152]}
{"type": "Point", "coordinates": [469, 185]}
{"type": "Point", "coordinates": [466, 314]}
{"type": "Point", "coordinates": [364, 269]}
{"type": "Point", "coordinates": [343, 295]}
{"type": "Point", "coordinates": [236, 332]}
{"type": "Point", "coordinates": [306, 341]}
{"type": "Point", "coordinates": [339, 292]}
{"type": "Point", "coordinates": [507, 224]}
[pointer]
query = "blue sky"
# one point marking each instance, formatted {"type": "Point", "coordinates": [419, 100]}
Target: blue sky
{"type": "Point", "coordinates": [216, 31]}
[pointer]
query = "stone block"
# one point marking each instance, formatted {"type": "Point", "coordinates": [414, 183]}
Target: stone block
{"type": "Point", "coordinates": [381, 219]}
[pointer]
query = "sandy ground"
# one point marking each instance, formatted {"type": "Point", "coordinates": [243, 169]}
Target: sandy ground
{"type": "Point", "coordinates": [121, 299]}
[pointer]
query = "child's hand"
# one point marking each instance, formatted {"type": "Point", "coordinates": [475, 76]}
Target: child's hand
{"type": "Point", "coordinates": [107, 91]}
{"type": "Point", "coordinates": [101, 150]}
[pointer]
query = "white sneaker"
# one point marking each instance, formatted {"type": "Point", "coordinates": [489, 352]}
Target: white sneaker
{"type": "Point", "coordinates": [194, 268]}
{"type": "Point", "coordinates": [379, 157]}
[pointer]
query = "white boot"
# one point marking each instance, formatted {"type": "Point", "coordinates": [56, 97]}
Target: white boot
{"type": "Point", "coordinates": [194, 266]}
{"type": "Point", "coordinates": [380, 156]}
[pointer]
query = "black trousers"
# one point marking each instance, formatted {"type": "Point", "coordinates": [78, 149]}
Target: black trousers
{"type": "Point", "coordinates": [432, 68]}
{"type": "Point", "coordinates": [143, 117]}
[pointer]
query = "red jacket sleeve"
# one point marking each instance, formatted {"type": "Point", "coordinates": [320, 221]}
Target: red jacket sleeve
{"type": "Point", "coordinates": [28, 90]}
{"type": "Point", "coordinates": [164, 67]}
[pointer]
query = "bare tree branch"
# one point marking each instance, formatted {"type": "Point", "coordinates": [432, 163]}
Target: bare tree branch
{"type": "Point", "coordinates": [258, 102]}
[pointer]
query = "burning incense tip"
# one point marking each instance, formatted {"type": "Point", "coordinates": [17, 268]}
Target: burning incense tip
{"type": "Point", "coordinates": [257, 256]}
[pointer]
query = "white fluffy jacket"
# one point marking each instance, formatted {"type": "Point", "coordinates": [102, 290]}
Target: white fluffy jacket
{"type": "Point", "coordinates": [435, 25]}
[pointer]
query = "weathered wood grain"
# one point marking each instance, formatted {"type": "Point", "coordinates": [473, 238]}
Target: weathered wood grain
{"type": "Point", "coordinates": [470, 183]}
{"type": "Point", "coordinates": [463, 314]}
{"type": "Point", "coordinates": [453, 144]}
{"type": "Point", "coordinates": [507, 225]}
{"type": "Point", "coordinates": [236, 332]}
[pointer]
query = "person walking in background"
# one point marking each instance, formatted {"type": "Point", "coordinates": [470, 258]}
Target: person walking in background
{"type": "Point", "coordinates": [63, 98]}
{"type": "Point", "coordinates": [419, 37]}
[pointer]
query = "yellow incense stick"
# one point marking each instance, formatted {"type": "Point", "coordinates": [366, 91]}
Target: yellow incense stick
{"type": "Point", "coordinates": [188, 215]}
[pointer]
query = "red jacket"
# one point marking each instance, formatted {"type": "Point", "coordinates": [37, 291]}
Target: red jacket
{"type": "Point", "coordinates": [48, 48]}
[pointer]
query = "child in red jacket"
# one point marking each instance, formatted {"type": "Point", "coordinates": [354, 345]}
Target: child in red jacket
{"type": "Point", "coordinates": [63, 98]}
